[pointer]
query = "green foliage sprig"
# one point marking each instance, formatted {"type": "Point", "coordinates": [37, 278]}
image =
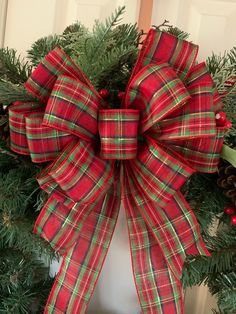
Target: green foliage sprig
{"type": "Point", "coordinates": [43, 46]}
{"type": "Point", "coordinates": [12, 67]}
{"type": "Point", "coordinates": [10, 93]}
{"type": "Point", "coordinates": [223, 70]}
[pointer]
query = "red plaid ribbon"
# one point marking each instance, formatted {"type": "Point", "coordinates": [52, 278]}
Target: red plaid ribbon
{"type": "Point", "coordinates": [164, 132]}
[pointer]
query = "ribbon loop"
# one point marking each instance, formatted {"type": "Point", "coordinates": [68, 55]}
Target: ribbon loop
{"type": "Point", "coordinates": [162, 47]}
{"type": "Point", "coordinates": [72, 108]}
{"type": "Point", "coordinates": [17, 124]}
{"type": "Point", "coordinates": [43, 78]}
{"type": "Point", "coordinates": [29, 137]}
{"type": "Point", "coordinates": [118, 130]}
{"type": "Point", "coordinates": [81, 174]}
{"type": "Point", "coordinates": [156, 91]}
{"type": "Point", "coordinates": [157, 174]}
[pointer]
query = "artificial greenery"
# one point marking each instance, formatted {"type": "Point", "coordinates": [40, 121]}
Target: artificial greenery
{"type": "Point", "coordinates": [42, 47]}
{"type": "Point", "coordinates": [10, 93]}
{"type": "Point", "coordinates": [107, 55]}
{"type": "Point", "coordinates": [109, 50]}
{"type": "Point", "coordinates": [24, 257]}
{"type": "Point", "coordinates": [12, 68]}
{"type": "Point", "coordinates": [173, 30]}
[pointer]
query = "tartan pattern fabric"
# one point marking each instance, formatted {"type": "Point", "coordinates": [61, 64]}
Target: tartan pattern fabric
{"type": "Point", "coordinates": [29, 137]}
{"type": "Point", "coordinates": [43, 78]}
{"type": "Point", "coordinates": [159, 172]}
{"type": "Point", "coordinates": [164, 132]}
{"type": "Point", "coordinates": [82, 262]}
{"type": "Point", "coordinates": [17, 123]}
{"type": "Point", "coordinates": [72, 107]}
{"type": "Point", "coordinates": [118, 130]}
{"type": "Point", "coordinates": [81, 167]}
{"type": "Point", "coordinates": [158, 289]}
{"type": "Point", "coordinates": [155, 91]}
{"type": "Point", "coordinates": [162, 47]}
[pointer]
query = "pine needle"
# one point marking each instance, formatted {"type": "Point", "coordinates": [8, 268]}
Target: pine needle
{"type": "Point", "coordinates": [177, 32]}
{"type": "Point", "coordinates": [12, 68]}
{"type": "Point", "coordinates": [42, 47]}
{"type": "Point", "coordinates": [10, 93]}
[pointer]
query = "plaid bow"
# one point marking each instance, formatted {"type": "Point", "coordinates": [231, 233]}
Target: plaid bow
{"type": "Point", "coordinates": [163, 133]}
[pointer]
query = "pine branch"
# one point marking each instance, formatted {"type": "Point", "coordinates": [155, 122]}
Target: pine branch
{"type": "Point", "coordinates": [18, 268]}
{"type": "Point", "coordinates": [205, 198]}
{"type": "Point", "coordinates": [116, 59]}
{"type": "Point", "coordinates": [113, 61]}
{"type": "Point", "coordinates": [12, 68]}
{"type": "Point", "coordinates": [125, 34]}
{"type": "Point", "coordinates": [199, 269]}
{"type": "Point", "coordinates": [22, 275]}
{"type": "Point", "coordinates": [94, 45]}
{"type": "Point", "coordinates": [175, 31]}
{"type": "Point", "coordinates": [42, 47]}
{"type": "Point", "coordinates": [16, 232]}
{"type": "Point", "coordinates": [10, 93]}
{"type": "Point", "coordinates": [73, 40]}
{"type": "Point", "coordinates": [224, 288]}
{"type": "Point", "coordinates": [109, 50]}
{"type": "Point", "coordinates": [103, 29]}
{"type": "Point", "coordinates": [223, 71]}
{"type": "Point", "coordinates": [230, 109]}
{"type": "Point", "coordinates": [232, 55]}
{"type": "Point", "coordinates": [75, 28]}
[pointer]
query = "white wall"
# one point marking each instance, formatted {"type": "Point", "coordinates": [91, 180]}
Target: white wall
{"type": "Point", "coordinates": [211, 23]}
{"type": "Point", "coordinates": [3, 9]}
{"type": "Point", "coordinates": [115, 292]}
{"type": "Point", "coordinates": [28, 20]}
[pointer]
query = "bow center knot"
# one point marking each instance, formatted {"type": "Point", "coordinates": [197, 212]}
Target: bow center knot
{"type": "Point", "coordinates": [118, 130]}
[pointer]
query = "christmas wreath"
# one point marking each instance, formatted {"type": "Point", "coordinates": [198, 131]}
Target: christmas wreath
{"type": "Point", "coordinates": [111, 121]}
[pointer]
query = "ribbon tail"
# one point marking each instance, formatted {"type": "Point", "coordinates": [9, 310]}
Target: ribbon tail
{"type": "Point", "coordinates": [172, 233]}
{"type": "Point", "coordinates": [82, 263]}
{"type": "Point", "coordinates": [60, 225]}
{"type": "Point", "coordinates": [158, 289]}
{"type": "Point", "coordinates": [196, 246]}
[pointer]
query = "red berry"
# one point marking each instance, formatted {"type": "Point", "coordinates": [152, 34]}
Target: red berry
{"type": "Point", "coordinates": [220, 118]}
{"type": "Point", "coordinates": [104, 93]}
{"type": "Point", "coordinates": [121, 94]}
{"type": "Point", "coordinates": [231, 83]}
{"type": "Point", "coordinates": [230, 210]}
{"type": "Point", "coordinates": [228, 124]}
{"type": "Point", "coordinates": [233, 220]}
